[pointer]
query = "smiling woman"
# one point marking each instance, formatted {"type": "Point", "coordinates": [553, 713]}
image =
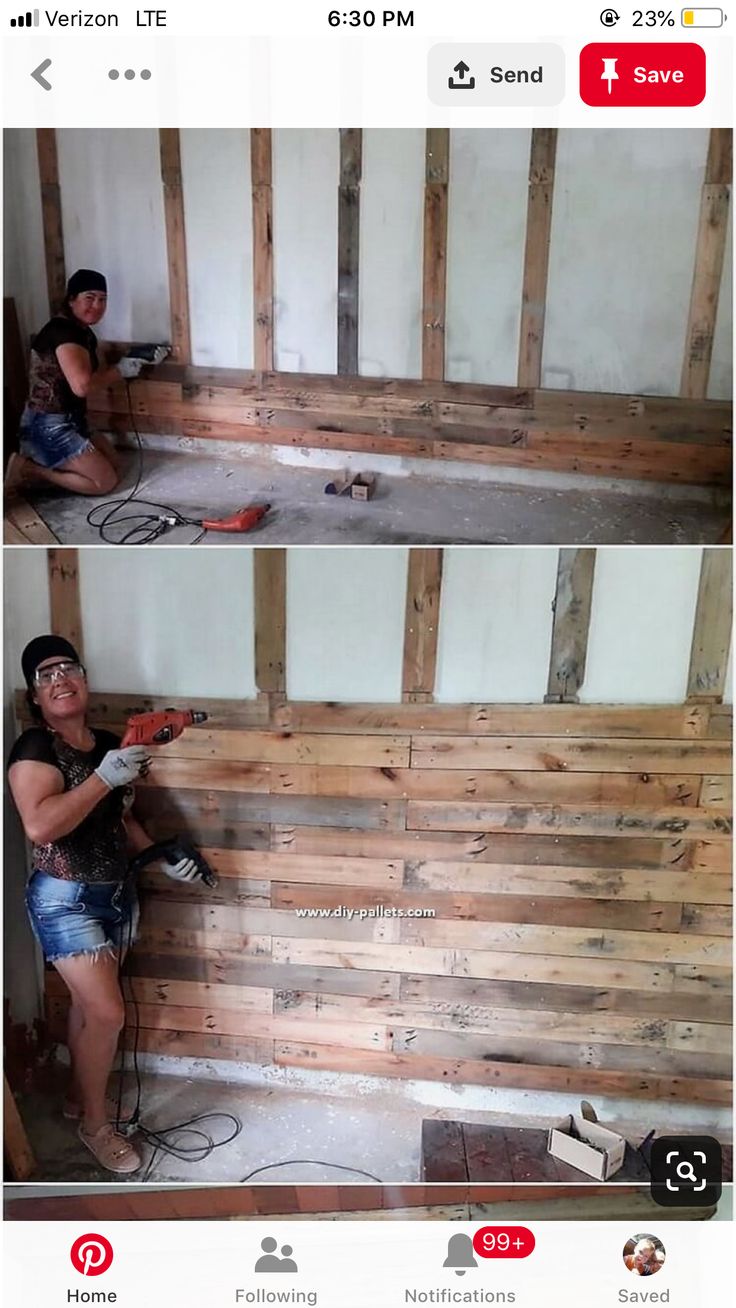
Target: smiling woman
{"type": "Point", "coordinates": [73, 787]}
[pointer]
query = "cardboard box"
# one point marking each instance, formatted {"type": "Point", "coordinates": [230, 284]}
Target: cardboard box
{"type": "Point", "coordinates": [598, 1151]}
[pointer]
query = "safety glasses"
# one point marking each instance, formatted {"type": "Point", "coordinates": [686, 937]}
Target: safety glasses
{"type": "Point", "coordinates": [66, 670]}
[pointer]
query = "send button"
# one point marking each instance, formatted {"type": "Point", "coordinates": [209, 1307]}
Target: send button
{"type": "Point", "coordinates": [488, 75]}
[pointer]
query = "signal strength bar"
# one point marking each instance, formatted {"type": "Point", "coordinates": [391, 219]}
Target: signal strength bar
{"type": "Point", "coordinates": [31, 18]}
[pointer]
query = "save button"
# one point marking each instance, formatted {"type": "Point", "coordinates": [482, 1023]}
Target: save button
{"type": "Point", "coordinates": [659, 75]}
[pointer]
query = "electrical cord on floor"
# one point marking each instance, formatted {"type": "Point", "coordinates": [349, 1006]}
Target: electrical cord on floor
{"type": "Point", "coordinates": [109, 517]}
{"type": "Point", "coordinates": [165, 1140]}
{"type": "Point", "coordinates": [161, 1140]}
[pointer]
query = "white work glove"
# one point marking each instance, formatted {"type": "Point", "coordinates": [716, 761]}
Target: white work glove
{"type": "Point", "coordinates": [120, 767]}
{"type": "Point", "coordinates": [130, 368]}
{"type": "Point", "coordinates": [185, 870]}
{"type": "Point", "coordinates": [159, 354]}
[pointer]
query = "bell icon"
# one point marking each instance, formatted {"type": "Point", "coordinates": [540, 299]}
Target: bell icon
{"type": "Point", "coordinates": [460, 1254]}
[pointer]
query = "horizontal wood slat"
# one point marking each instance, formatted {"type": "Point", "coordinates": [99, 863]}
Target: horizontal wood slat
{"type": "Point", "coordinates": [682, 440]}
{"type": "Point", "coordinates": [528, 896]}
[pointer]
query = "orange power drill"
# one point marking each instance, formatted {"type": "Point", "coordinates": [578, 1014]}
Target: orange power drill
{"type": "Point", "coordinates": [160, 727]}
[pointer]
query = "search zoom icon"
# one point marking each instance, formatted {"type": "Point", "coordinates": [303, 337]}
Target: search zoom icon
{"type": "Point", "coordinates": [687, 1171]}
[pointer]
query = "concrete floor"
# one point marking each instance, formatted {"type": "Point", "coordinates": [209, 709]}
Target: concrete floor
{"type": "Point", "coordinates": [416, 510]}
{"type": "Point", "coordinates": [276, 1125]}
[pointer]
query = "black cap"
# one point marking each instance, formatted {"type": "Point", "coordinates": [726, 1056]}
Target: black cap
{"type": "Point", "coordinates": [85, 279]}
{"type": "Point", "coordinates": [45, 647]}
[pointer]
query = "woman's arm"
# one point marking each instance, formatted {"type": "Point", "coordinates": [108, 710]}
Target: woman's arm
{"type": "Point", "coordinates": [47, 811]}
{"type": "Point", "coordinates": [76, 365]}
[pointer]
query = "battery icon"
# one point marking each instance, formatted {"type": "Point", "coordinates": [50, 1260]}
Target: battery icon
{"type": "Point", "coordinates": [702, 18]}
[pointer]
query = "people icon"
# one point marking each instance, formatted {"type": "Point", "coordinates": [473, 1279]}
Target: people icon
{"type": "Point", "coordinates": [270, 1261]}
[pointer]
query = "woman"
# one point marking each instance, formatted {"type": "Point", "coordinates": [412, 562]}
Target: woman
{"type": "Point", "coordinates": [55, 443]}
{"type": "Point", "coordinates": [73, 789]}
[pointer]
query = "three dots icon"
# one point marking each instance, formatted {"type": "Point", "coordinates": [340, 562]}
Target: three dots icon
{"type": "Point", "coordinates": [129, 74]}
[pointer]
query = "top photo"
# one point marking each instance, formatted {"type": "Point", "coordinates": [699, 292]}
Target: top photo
{"type": "Point", "coordinates": [367, 336]}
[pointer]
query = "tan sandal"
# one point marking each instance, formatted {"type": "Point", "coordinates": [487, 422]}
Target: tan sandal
{"type": "Point", "coordinates": [112, 1150]}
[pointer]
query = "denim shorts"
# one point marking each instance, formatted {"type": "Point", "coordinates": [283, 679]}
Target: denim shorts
{"type": "Point", "coordinates": [79, 917]}
{"type": "Point", "coordinates": [51, 439]}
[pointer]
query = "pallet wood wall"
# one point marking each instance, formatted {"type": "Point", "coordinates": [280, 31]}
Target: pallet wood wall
{"type": "Point", "coordinates": [599, 435]}
{"type": "Point", "coordinates": [575, 859]}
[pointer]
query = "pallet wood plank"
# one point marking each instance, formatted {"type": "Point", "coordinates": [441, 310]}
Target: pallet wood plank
{"type": "Point", "coordinates": [22, 525]}
{"type": "Point", "coordinates": [261, 168]}
{"type": "Point", "coordinates": [708, 271]}
{"type": "Point", "coordinates": [176, 245]}
{"type": "Point", "coordinates": [348, 245]}
{"type": "Point", "coordinates": [269, 582]}
{"type": "Point", "coordinates": [434, 290]}
{"type": "Point", "coordinates": [527, 754]}
{"type": "Point", "coordinates": [571, 623]}
{"type": "Point", "coordinates": [538, 819]}
{"type": "Point", "coordinates": [65, 604]}
{"type": "Point", "coordinates": [711, 640]}
{"type": "Point", "coordinates": [421, 622]}
{"type": "Point", "coordinates": [51, 214]}
{"type": "Point", "coordinates": [536, 256]}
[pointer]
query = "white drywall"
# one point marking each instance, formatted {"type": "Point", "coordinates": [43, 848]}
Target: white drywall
{"type": "Point", "coordinates": [113, 217]}
{"type": "Point", "coordinates": [489, 173]}
{"type": "Point", "coordinates": [26, 610]}
{"type": "Point", "coordinates": [218, 215]}
{"type": "Point", "coordinates": [720, 381]}
{"type": "Point", "coordinates": [624, 226]}
{"type": "Point", "coordinates": [305, 182]}
{"type": "Point", "coordinates": [495, 624]}
{"type": "Point", "coordinates": [23, 253]}
{"type": "Point", "coordinates": [391, 215]}
{"type": "Point", "coordinates": [345, 623]}
{"type": "Point", "coordinates": [641, 624]}
{"type": "Point", "coordinates": [169, 622]}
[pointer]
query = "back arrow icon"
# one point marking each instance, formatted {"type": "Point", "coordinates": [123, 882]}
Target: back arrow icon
{"type": "Point", "coordinates": [37, 74]}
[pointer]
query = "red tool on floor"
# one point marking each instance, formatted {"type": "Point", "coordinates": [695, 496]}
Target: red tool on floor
{"type": "Point", "coordinates": [244, 520]}
{"type": "Point", "coordinates": [161, 726]}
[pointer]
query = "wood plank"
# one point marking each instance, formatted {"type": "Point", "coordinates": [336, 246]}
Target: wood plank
{"type": "Point", "coordinates": [710, 250]}
{"type": "Point", "coordinates": [235, 973]}
{"type": "Point", "coordinates": [567, 819]}
{"type": "Point", "coordinates": [711, 640]}
{"type": "Point", "coordinates": [421, 622]}
{"type": "Point", "coordinates": [572, 605]}
{"type": "Point", "coordinates": [294, 867]}
{"type": "Point", "coordinates": [51, 215]}
{"type": "Point", "coordinates": [288, 747]}
{"type": "Point", "coordinates": [666, 884]}
{"type": "Point", "coordinates": [647, 721]}
{"type": "Point", "coordinates": [575, 1081]}
{"type": "Point", "coordinates": [257, 1026]}
{"type": "Point", "coordinates": [536, 255]}
{"type": "Point", "coordinates": [269, 581]}
{"type": "Point", "coordinates": [262, 208]}
{"type": "Point", "coordinates": [554, 910]}
{"type": "Point", "coordinates": [443, 1152]}
{"type": "Point", "coordinates": [22, 525]}
{"type": "Point", "coordinates": [16, 1145]}
{"type": "Point", "coordinates": [176, 245]}
{"type": "Point", "coordinates": [583, 852]}
{"type": "Point", "coordinates": [486, 964]}
{"type": "Point", "coordinates": [65, 605]}
{"type": "Point", "coordinates": [232, 920]}
{"type": "Point", "coordinates": [348, 249]}
{"type": "Point", "coordinates": [569, 942]}
{"type": "Point", "coordinates": [434, 290]}
{"type": "Point", "coordinates": [558, 754]}
{"type": "Point", "coordinates": [212, 809]}
{"type": "Point", "coordinates": [632, 789]}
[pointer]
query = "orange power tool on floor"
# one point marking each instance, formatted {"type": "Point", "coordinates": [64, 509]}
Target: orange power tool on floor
{"type": "Point", "coordinates": [160, 727]}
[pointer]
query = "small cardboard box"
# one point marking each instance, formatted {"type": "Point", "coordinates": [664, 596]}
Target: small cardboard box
{"type": "Point", "coordinates": [598, 1151]}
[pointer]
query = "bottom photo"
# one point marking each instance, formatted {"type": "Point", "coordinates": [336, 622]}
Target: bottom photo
{"type": "Point", "coordinates": [367, 882]}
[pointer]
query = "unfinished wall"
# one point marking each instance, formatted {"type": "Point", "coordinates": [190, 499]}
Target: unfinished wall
{"type": "Point", "coordinates": [624, 220]}
{"type": "Point", "coordinates": [573, 858]}
{"type": "Point", "coordinates": [23, 254]}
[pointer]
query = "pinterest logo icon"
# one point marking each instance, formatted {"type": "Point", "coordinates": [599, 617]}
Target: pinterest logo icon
{"type": "Point", "coordinates": [91, 1255]}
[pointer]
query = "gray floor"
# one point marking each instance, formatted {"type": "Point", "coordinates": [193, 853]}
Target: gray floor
{"type": "Point", "coordinates": [374, 1134]}
{"type": "Point", "coordinates": [405, 510]}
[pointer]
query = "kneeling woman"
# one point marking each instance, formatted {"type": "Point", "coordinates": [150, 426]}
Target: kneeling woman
{"type": "Point", "coordinates": [55, 443]}
{"type": "Point", "coordinates": [73, 787]}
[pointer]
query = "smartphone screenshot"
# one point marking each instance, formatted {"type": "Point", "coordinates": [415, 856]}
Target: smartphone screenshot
{"type": "Point", "coordinates": [367, 673]}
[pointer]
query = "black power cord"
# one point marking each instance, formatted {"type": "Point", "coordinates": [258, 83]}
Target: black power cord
{"type": "Point", "coordinates": [145, 525]}
{"type": "Point", "coordinates": [164, 1141]}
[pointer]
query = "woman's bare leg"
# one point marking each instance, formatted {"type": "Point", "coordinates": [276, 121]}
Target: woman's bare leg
{"type": "Point", "coordinates": [109, 451]}
{"type": "Point", "coordinates": [95, 989]}
{"type": "Point", "coordinates": [90, 473]}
